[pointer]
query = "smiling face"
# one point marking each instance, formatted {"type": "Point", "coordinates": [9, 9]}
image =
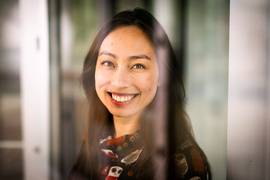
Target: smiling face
{"type": "Point", "coordinates": [126, 76]}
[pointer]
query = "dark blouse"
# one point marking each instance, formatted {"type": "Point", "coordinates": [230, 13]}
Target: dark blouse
{"type": "Point", "coordinates": [120, 154]}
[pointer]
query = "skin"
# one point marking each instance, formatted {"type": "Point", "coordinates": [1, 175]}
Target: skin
{"type": "Point", "coordinates": [126, 67]}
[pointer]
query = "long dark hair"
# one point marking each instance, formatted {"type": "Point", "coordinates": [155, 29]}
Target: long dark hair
{"type": "Point", "coordinates": [164, 124]}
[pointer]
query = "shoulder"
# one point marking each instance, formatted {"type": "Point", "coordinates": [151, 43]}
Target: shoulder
{"type": "Point", "coordinates": [190, 162]}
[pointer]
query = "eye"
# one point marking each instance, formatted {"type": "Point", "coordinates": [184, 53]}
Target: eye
{"type": "Point", "coordinates": [113, 170]}
{"type": "Point", "coordinates": [107, 63]}
{"type": "Point", "coordinates": [138, 66]}
{"type": "Point", "coordinates": [119, 171]}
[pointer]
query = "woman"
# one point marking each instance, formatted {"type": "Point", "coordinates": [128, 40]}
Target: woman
{"type": "Point", "coordinates": [137, 127]}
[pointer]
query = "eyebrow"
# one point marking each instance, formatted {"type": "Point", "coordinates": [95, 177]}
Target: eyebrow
{"type": "Point", "coordinates": [130, 58]}
{"type": "Point", "coordinates": [139, 57]}
{"type": "Point", "coordinates": [108, 54]}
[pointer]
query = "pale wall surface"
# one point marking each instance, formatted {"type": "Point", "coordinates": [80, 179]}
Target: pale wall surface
{"type": "Point", "coordinates": [249, 93]}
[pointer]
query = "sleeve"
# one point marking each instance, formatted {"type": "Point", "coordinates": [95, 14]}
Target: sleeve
{"type": "Point", "coordinates": [190, 162]}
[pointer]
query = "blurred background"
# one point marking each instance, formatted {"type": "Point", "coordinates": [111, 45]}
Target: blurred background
{"type": "Point", "coordinates": [42, 49]}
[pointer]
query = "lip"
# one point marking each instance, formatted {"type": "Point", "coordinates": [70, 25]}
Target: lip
{"type": "Point", "coordinates": [121, 94]}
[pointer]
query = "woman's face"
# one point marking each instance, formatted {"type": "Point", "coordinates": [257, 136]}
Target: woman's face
{"type": "Point", "coordinates": [127, 73]}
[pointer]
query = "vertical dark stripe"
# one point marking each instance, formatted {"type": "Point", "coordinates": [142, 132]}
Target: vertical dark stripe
{"type": "Point", "coordinates": [56, 168]}
{"type": "Point", "coordinates": [183, 36]}
{"type": "Point", "coordinates": [107, 9]}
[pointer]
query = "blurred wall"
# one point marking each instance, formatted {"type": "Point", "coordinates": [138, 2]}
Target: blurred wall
{"type": "Point", "coordinates": [249, 91]}
{"type": "Point", "coordinates": [34, 75]}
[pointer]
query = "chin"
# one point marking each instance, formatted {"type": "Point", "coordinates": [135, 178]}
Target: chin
{"type": "Point", "coordinates": [121, 113]}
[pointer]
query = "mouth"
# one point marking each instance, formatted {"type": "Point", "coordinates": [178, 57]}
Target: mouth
{"type": "Point", "coordinates": [122, 97]}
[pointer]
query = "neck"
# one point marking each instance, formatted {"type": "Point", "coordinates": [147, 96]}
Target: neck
{"type": "Point", "coordinates": [125, 125]}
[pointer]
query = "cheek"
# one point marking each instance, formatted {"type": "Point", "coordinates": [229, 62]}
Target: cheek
{"type": "Point", "coordinates": [100, 84]}
{"type": "Point", "coordinates": [149, 84]}
{"type": "Point", "coordinates": [100, 79]}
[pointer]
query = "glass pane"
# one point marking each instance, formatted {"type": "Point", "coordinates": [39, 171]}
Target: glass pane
{"type": "Point", "coordinates": [11, 164]}
{"type": "Point", "coordinates": [10, 118]}
{"type": "Point", "coordinates": [205, 46]}
{"type": "Point", "coordinates": [78, 27]}
{"type": "Point", "coordinates": [207, 78]}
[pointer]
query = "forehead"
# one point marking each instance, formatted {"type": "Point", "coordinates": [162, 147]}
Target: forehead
{"type": "Point", "coordinates": [128, 40]}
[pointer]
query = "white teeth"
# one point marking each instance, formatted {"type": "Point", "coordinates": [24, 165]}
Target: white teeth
{"type": "Point", "coordinates": [122, 98]}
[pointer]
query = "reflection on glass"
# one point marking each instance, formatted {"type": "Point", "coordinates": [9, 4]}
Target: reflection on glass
{"type": "Point", "coordinates": [136, 126]}
{"type": "Point", "coordinates": [207, 78]}
{"type": "Point", "coordinates": [205, 66]}
{"type": "Point", "coordinates": [78, 27]}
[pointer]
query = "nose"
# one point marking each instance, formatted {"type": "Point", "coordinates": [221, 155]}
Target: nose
{"type": "Point", "coordinates": [120, 78]}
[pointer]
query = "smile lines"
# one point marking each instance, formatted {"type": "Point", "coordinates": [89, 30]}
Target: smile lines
{"type": "Point", "coordinates": [122, 98]}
